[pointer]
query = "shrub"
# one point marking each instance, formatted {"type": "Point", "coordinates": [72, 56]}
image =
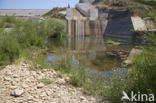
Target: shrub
{"type": "Point", "coordinates": [77, 77]}
{"type": "Point", "coordinates": [26, 34]}
{"type": "Point", "coordinates": [9, 48]}
{"type": "Point", "coordinates": [143, 71]}
{"type": "Point", "coordinates": [8, 22]}
{"type": "Point", "coordinates": [141, 77]}
{"type": "Point", "coordinates": [53, 27]}
{"type": "Point", "coordinates": [64, 63]}
{"type": "Point", "coordinates": [117, 85]}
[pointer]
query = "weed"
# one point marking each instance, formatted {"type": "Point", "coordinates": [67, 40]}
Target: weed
{"type": "Point", "coordinates": [46, 81]}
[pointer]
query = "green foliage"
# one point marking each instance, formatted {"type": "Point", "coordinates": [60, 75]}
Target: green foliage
{"type": "Point", "coordinates": [64, 63]}
{"type": "Point", "coordinates": [77, 77]}
{"type": "Point", "coordinates": [8, 21]}
{"type": "Point", "coordinates": [141, 77]}
{"type": "Point", "coordinates": [46, 81]}
{"type": "Point", "coordinates": [58, 28]}
{"type": "Point", "coordinates": [26, 34]}
{"type": "Point", "coordinates": [151, 3]}
{"type": "Point", "coordinates": [117, 85]}
{"type": "Point", "coordinates": [142, 8]}
{"type": "Point", "coordinates": [36, 56]}
{"type": "Point", "coordinates": [111, 42]}
{"type": "Point", "coordinates": [143, 71]}
{"type": "Point", "coordinates": [54, 13]}
{"type": "Point", "coordinates": [9, 48]}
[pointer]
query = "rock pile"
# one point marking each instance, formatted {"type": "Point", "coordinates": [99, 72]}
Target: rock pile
{"type": "Point", "coordinates": [19, 84]}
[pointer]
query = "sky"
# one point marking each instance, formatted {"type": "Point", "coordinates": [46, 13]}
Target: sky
{"type": "Point", "coordinates": [35, 4]}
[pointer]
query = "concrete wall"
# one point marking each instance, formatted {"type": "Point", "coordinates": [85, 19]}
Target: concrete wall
{"type": "Point", "coordinates": [86, 27]}
{"type": "Point", "coordinates": [88, 10]}
{"type": "Point", "coordinates": [83, 8]}
{"type": "Point", "coordinates": [23, 12]}
{"type": "Point", "coordinates": [112, 23]}
{"type": "Point", "coordinates": [119, 25]}
{"type": "Point", "coordinates": [93, 14]}
{"type": "Point", "coordinates": [69, 15]}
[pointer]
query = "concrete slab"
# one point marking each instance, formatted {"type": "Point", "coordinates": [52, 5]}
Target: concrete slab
{"type": "Point", "coordinates": [83, 8]}
{"type": "Point", "coordinates": [88, 10]}
{"type": "Point", "coordinates": [138, 24]}
{"type": "Point", "coordinates": [73, 14]}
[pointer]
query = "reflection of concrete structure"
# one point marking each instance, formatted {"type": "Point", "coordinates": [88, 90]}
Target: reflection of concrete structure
{"type": "Point", "coordinates": [86, 44]}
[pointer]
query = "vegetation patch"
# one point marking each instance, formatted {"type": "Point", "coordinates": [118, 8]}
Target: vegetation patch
{"type": "Point", "coordinates": [142, 8]}
{"type": "Point", "coordinates": [46, 81]}
{"type": "Point", "coordinates": [111, 42]}
{"type": "Point", "coordinates": [26, 35]}
{"type": "Point", "coordinates": [54, 13]}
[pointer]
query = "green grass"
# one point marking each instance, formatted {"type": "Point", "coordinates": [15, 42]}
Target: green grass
{"type": "Point", "coordinates": [140, 8]}
{"type": "Point", "coordinates": [54, 13]}
{"type": "Point", "coordinates": [46, 81]}
{"type": "Point", "coordinates": [140, 77]}
{"type": "Point", "coordinates": [78, 77]}
{"type": "Point", "coordinates": [111, 42]}
{"type": "Point", "coordinates": [37, 56]}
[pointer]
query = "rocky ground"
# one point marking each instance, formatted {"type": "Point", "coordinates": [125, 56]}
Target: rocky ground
{"type": "Point", "coordinates": [20, 84]}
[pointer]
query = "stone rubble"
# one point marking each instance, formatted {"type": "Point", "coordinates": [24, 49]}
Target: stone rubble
{"type": "Point", "coordinates": [20, 84]}
{"type": "Point", "coordinates": [17, 92]}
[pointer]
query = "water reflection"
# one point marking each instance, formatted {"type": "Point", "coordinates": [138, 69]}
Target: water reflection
{"type": "Point", "coordinates": [86, 44]}
{"type": "Point", "coordinates": [93, 52]}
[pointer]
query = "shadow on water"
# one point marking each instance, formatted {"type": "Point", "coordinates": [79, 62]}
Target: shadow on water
{"type": "Point", "coordinates": [93, 53]}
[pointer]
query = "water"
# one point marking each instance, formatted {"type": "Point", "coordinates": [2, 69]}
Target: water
{"type": "Point", "coordinates": [93, 53]}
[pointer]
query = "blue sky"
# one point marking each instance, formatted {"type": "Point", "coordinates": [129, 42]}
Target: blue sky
{"type": "Point", "coordinates": [35, 4]}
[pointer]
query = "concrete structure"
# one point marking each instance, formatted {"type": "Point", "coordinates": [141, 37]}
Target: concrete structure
{"type": "Point", "coordinates": [138, 24]}
{"type": "Point", "coordinates": [87, 1]}
{"type": "Point", "coordinates": [88, 10]}
{"type": "Point", "coordinates": [86, 27]}
{"type": "Point", "coordinates": [23, 12]}
{"type": "Point", "coordinates": [74, 14]}
{"type": "Point", "coordinates": [86, 19]}
{"type": "Point", "coordinates": [119, 24]}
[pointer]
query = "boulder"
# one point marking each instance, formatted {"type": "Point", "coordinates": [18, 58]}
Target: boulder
{"type": "Point", "coordinates": [40, 85]}
{"type": "Point", "coordinates": [131, 56]}
{"type": "Point", "coordinates": [17, 92]}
